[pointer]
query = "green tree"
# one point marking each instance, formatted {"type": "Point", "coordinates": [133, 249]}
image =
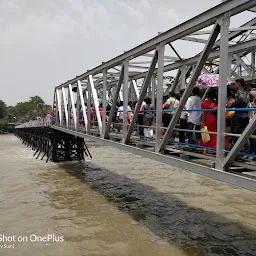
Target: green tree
{"type": "Point", "coordinates": [11, 112]}
{"type": "Point", "coordinates": [3, 125]}
{"type": "Point", "coordinates": [3, 109]}
{"type": "Point", "coordinates": [36, 100]}
{"type": "Point", "coordinates": [23, 109]}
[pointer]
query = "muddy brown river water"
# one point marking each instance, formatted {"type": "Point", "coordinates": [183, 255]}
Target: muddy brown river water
{"type": "Point", "coordinates": [118, 204]}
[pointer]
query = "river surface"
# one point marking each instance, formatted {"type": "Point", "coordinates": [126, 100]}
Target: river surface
{"type": "Point", "coordinates": [118, 204]}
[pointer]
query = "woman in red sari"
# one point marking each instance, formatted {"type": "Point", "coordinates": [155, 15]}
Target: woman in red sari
{"type": "Point", "coordinates": [209, 119]}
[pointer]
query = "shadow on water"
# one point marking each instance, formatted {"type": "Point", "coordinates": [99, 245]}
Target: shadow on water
{"type": "Point", "coordinates": [195, 231]}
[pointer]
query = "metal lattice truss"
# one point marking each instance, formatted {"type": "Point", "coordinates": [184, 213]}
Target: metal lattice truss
{"type": "Point", "coordinates": [155, 68]}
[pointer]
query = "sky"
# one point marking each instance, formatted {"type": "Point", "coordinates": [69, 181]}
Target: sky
{"type": "Point", "coordinates": [47, 42]}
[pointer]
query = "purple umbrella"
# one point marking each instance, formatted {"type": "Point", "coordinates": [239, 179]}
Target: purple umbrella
{"type": "Point", "coordinates": [210, 80]}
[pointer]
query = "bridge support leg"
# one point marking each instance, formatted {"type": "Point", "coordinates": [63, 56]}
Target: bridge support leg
{"type": "Point", "coordinates": [80, 148]}
{"type": "Point", "coordinates": [67, 148]}
{"type": "Point", "coordinates": [54, 154]}
{"type": "Point", "coordinates": [57, 145]}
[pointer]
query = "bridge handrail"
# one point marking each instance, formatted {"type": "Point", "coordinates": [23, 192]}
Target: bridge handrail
{"type": "Point", "coordinates": [47, 122]}
{"type": "Point", "coordinates": [36, 123]}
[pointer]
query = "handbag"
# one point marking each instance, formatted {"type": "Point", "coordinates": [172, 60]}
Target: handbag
{"type": "Point", "coordinates": [205, 136]}
{"type": "Point", "coordinates": [230, 114]}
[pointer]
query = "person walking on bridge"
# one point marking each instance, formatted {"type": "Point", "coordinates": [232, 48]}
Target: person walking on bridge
{"type": "Point", "coordinates": [148, 118]}
{"type": "Point", "coordinates": [194, 117]}
{"type": "Point", "coordinates": [120, 116]}
{"type": "Point", "coordinates": [241, 118]}
{"type": "Point", "coordinates": [209, 119]}
{"type": "Point", "coordinates": [171, 104]}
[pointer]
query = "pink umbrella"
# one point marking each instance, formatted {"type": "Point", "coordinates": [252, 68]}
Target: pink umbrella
{"type": "Point", "coordinates": [210, 80]}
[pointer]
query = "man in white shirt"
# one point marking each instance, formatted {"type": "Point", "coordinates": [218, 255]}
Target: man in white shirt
{"type": "Point", "coordinates": [194, 117]}
{"type": "Point", "coordinates": [48, 119]}
{"type": "Point", "coordinates": [120, 116]}
{"type": "Point", "coordinates": [171, 104]}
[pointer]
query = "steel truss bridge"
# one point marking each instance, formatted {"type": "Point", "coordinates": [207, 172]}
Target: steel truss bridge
{"type": "Point", "coordinates": [154, 69]}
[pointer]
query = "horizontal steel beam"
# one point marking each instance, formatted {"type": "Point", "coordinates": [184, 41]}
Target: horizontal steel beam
{"type": "Point", "coordinates": [235, 34]}
{"type": "Point", "coordinates": [195, 24]}
{"type": "Point", "coordinates": [213, 55]}
{"type": "Point", "coordinates": [146, 62]}
{"type": "Point", "coordinates": [230, 178]}
{"type": "Point", "coordinates": [194, 39]}
{"type": "Point", "coordinates": [136, 66]}
{"type": "Point", "coordinates": [248, 46]}
{"type": "Point", "coordinates": [204, 32]}
{"type": "Point", "coordinates": [151, 55]}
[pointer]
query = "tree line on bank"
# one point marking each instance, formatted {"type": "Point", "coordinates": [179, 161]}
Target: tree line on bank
{"type": "Point", "coordinates": [22, 111]}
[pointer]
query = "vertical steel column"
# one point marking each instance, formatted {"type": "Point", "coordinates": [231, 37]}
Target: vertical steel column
{"type": "Point", "coordinates": [96, 103]}
{"type": "Point", "coordinates": [136, 89]}
{"type": "Point", "coordinates": [80, 94]}
{"type": "Point", "coordinates": [62, 107]}
{"type": "Point", "coordinates": [143, 91]}
{"type": "Point", "coordinates": [222, 93]}
{"type": "Point", "coordinates": [73, 106]}
{"type": "Point", "coordinates": [69, 108]}
{"type": "Point", "coordinates": [130, 91]}
{"type": "Point", "coordinates": [78, 103]}
{"type": "Point", "coordinates": [54, 98]}
{"type": "Point", "coordinates": [159, 94]}
{"type": "Point", "coordinates": [229, 65]}
{"type": "Point", "coordinates": [253, 64]}
{"type": "Point", "coordinates": [113, 107]}
{"type": "Point", "coordinates": [186, 94]}
{"type": "Point", "coordinates": [89, 100]}
{"type": "Point", "coordinates": [65, 105]}
{"type": "Point", "coordinates": [104, 102]}
{"type": "Point", "coordinates": [153, 81]}
{"type": "Point", "coordinates": [54, 103]}
{"type": "Point", "coordinates": [58, 109]}
{"type": "Point", "coordinates": [125, 98]}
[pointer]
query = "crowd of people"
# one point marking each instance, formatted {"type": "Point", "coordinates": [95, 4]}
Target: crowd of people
{"type": "Point", "coordinates": [198, 113]}
{"type": "Point", "coordinates": [240, 97]}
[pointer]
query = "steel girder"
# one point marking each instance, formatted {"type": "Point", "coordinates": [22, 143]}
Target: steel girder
{"type": "Point", "coordinates": [219, 50]}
